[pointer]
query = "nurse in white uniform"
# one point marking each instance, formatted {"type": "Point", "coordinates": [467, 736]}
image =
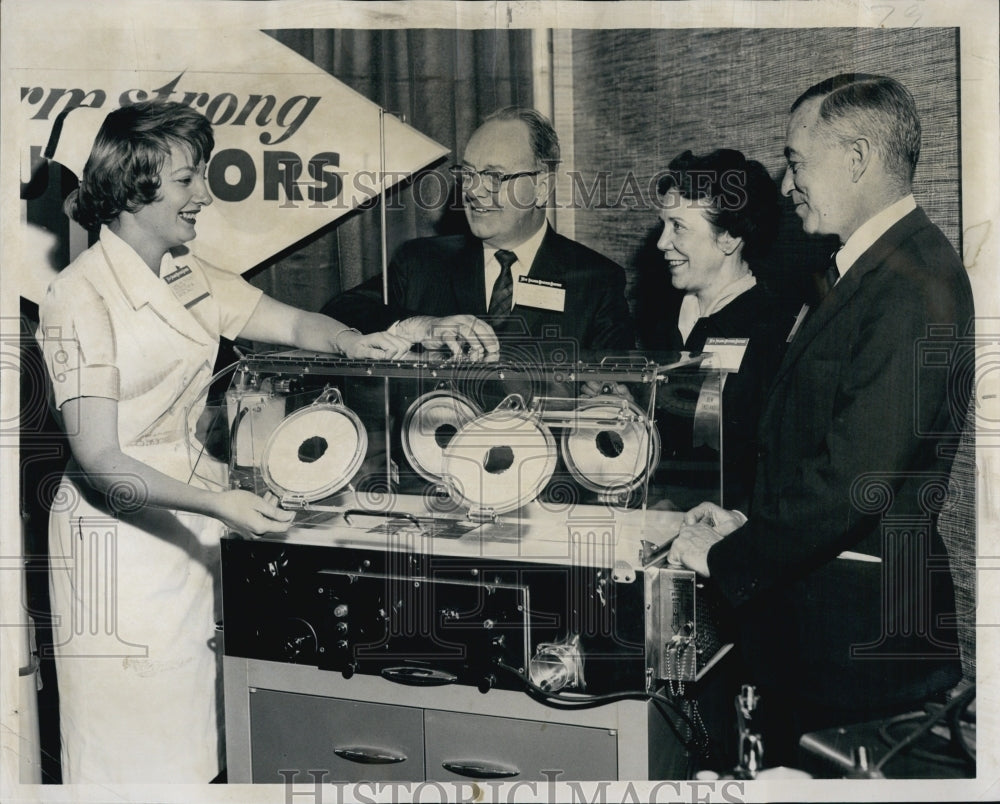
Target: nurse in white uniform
{"type": "Point", "coordinates": [130, 332]}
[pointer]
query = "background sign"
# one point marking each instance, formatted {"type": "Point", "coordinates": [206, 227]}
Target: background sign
{"type": "Point", "coordinates": [295, 148]}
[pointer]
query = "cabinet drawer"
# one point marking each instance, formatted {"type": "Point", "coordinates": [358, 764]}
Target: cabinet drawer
{"type": "Point", "coordinates": [467, 746]}
{"type": "Point", "coordinates": [349, 741]}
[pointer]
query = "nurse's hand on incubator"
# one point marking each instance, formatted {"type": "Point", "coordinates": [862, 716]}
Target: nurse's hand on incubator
{"type": "Point", "coordinates": [249, 515]}
{"type": "Point", "coordinates": [111, 471]}
{"type": "Point", "coordinates": [275, 322]}
{"type": "Point", "coordinates": [377, 345]}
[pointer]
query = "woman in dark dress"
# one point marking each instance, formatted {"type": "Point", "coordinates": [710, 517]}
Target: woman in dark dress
{"type": "Point", "coordinates": [720, 216]}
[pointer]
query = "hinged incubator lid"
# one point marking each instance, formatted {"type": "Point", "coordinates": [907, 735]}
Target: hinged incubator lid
{"type": "Point", "coordinates": [315, 451]}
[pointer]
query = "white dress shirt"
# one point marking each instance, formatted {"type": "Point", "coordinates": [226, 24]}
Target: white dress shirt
{"type": "Point", "coordinates": [871, 230]}
{"type": "Point", "coordinates": [525, 252]}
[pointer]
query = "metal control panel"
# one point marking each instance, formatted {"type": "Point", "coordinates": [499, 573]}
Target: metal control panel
{"type": "Point", "coordinates": [424, 619]}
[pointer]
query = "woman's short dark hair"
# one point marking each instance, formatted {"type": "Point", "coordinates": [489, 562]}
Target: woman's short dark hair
{"type": "Point", "coordinates": [122, 173]}
{"type": "Point", "coordinates": [743, 198]}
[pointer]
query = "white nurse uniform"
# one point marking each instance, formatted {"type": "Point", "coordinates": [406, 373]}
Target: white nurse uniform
{"type": "Point", "coordinates": [134, 590]}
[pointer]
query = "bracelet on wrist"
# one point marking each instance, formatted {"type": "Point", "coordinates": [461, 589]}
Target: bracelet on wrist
{"type": "Point", "coordinates": [336, 338]}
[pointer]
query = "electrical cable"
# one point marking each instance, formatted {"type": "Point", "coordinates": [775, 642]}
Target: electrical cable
{"type": "Point", "coordinates": [705, 748]}
{"type": "Point", "coordinates": [959, 703]}
{"type": "Point", "coordinates": [958, 733]}
{"type": "Point", "coordinates": [697, 745]}
{"type": "Point", "coordinates": [887, 732]}
{"type": "Point", "coordinates": [187, 417]}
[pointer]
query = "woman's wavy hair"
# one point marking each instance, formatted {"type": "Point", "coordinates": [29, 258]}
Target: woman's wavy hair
{"type": "Point", "coordinates": [122, 173]}
{"type": "Point", "coordinates": [743, 199]}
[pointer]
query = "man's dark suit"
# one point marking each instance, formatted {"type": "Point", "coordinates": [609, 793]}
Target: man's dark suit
{"type": "Point", "coordinates": [849, 459]}
{"type": "Point", "coordinates": [442, 276]}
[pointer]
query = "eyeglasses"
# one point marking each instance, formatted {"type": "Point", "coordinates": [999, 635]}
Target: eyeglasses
{"type": "Point", "coordinates": [491, 179]}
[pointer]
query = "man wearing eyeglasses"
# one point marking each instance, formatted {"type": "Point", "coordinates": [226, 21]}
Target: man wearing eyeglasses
{"type": "Point", "coordinates": [512, 276]}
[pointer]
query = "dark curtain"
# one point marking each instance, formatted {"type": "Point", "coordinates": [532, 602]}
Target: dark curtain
{"type": "Point", "coordinates": [441, 82]}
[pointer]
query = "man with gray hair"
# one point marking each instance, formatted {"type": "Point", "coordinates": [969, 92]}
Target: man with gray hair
{"type": "Point", "coordinates": [512, 275]}
{"type": "Point", "coordinates": [837, 573]}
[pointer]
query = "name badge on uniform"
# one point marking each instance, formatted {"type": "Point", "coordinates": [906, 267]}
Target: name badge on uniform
{"type": "Point", "coordinates": [540, 293]}
{"type": "Point", "coordinates": [188, 287]}
{"type": "Point", "coordinates": [726, 354]}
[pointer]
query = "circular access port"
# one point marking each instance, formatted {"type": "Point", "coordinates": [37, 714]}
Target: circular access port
{"type": "Point", "coordinates": [498, 460]}
{"type": "Point", "coordinates": [609, 443]}
{"type": "Point", "coordinates": [312, 449]}
{"type": "Point", "coordinates": [444, 434]}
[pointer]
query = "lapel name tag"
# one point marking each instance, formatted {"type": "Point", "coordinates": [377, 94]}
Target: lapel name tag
{"type": "Point", "coordinates": [187, 286]}
{"type": "Point", "coordinates": [803, 312]}
{"type": "Point", "coordinates": [725, 354]}
{"type": "Point", "coordinates": [541, 293]}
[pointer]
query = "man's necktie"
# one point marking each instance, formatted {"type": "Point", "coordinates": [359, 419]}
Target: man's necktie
{"type": "Point", "coordinates": [503, 288]}
{"type": "Point", "coordinates": [832, 273]}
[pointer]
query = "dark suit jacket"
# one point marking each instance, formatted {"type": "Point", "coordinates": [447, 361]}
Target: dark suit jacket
{"type": "Point", "coordinates": [442, 276]}
{"type": "Point", "coordinates": [851, 458]}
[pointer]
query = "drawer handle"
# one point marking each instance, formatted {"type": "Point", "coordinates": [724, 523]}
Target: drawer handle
{"type": "Point", "coordinates": [477, 769]}
{"type": "Point", "coordinates": [419, 676]}
{"type": "Point", "coordinates": [365, 755]}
